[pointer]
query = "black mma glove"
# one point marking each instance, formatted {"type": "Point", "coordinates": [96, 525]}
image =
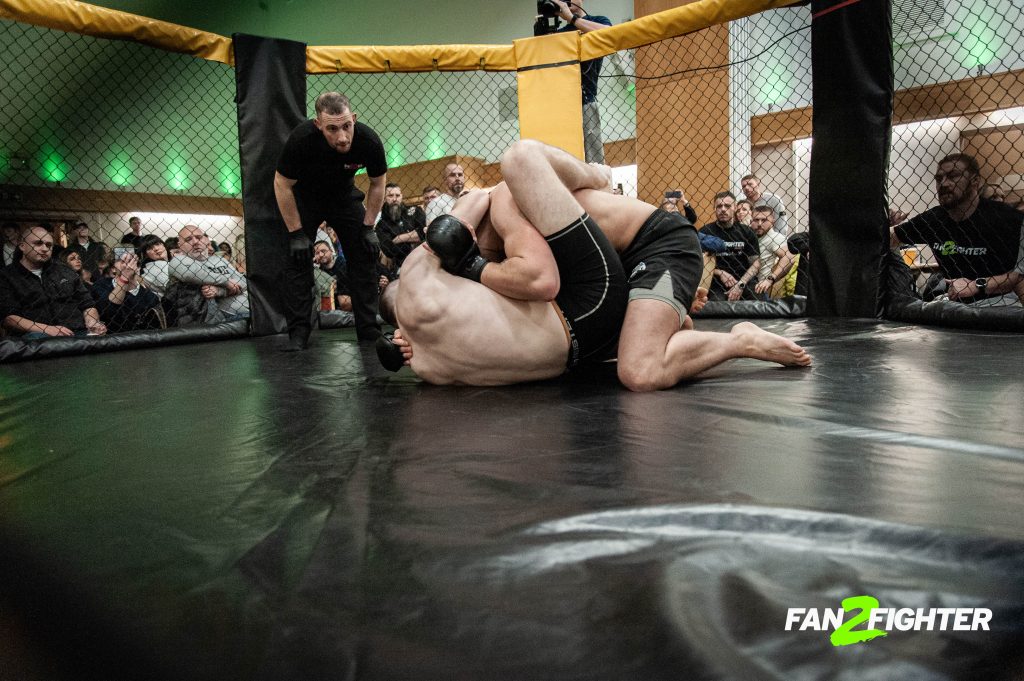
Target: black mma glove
{"type": "Point", "coordinates": [371, 242]}
{"type": "Point", "coordinates": [300, 247]}
{"type": "Point", "coordinates": [453, 243]}
{"type": "Point", "coordinates": [389, 354]}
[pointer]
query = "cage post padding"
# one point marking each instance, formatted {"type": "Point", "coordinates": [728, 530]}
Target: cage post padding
{"type": "Point", "coordinates": [270, 79]}
{"type": "Point", "coordinates": [853, 92]}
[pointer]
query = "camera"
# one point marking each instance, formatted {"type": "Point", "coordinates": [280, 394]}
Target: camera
{"type": "Point", "coordinates": [547, 8]}
{"type": "Point", "coordinates": [547, 18]}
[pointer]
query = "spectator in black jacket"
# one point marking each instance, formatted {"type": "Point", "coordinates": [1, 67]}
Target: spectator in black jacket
{"type": "Point", "coordinates": [40, 298]}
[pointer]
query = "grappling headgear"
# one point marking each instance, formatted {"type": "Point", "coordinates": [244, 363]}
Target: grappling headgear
{"type": "Point", "coordinates": [453, 243]}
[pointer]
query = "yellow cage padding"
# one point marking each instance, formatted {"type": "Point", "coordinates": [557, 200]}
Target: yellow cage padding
{"type": "Point", "coordinates": [78, 17]}
{"type": "Point", "coordinates": [550, 101]}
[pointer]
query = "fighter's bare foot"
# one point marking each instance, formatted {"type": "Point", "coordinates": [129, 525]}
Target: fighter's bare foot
{"type": "Point", "coordinates": [700, 299]}
{"type": "Point", "coordinates": [761, 344]}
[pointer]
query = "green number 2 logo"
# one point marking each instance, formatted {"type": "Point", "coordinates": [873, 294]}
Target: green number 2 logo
{"type": "Point", "coordinates": [844, 635]}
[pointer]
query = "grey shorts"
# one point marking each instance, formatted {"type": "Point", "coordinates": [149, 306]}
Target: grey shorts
{"type": "Point", "coordinates": [664, 262]}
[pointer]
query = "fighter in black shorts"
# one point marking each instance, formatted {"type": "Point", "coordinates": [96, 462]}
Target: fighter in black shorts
{"type": "Point", "coordinates": [592, 297]}
{"type": "Point", "coordinates": [664, 262]}
{"type": "Point", "coordinates": [590, 303]}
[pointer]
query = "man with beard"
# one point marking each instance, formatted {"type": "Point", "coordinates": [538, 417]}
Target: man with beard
{"type": "Point", "coordinates": [313, 184]}
{"type": "Point", "coordinates": [454, 184]}
{"type": "Point", "coordinates": [736, 267]}
{"type": "Point", "coordinates": [400, 227]}
{"type": "Point", "coordinates": [975, 241]}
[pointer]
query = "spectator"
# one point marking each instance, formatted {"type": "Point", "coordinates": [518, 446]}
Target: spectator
{"type": "Point", "coordinates": [677, 197]}
{"type": "Point", "coordinates": [155, 265]}
{"type": "Point", "coordinates": [776, 260]}
{"type": "Point", "coordinates": [751, 186]}
{"type": "Point", "coordinates": [430, 192]}
{"type": "Point", "coordinates": [123, 302]}
{"type": "Point", "coordinates": [455, 184]}
{"type": "Point", "coordinates": [737, 266]}
{"type": "Point", "coordinates": [73, 259]}
{"type": "Point", "coordinates": [134, 235]}
{"type": "Point", "coordinates": [173, 248]}
{"type": "Point", "coordinates": [40, 298]}
{"type": "Point", "coordinates": [577, 19]}
{"type": "Point", "coordinates": [87, 247]}
{"type": "Point", "coordinates": [669, 206]}
{"type": "Point", "coordinates": [211, 276]}
{"type": "Point", "coordinates": [975, 241]}
{"type": "Point", "coordinates": [400, 228]}
{"type": "Point", "coordinates": [744, 213]}
{"type": "Point", "coordinates": [59, 232]}
{"type": "Point", "coordinates": [104, 259]}
{"type": "Point", "coordinates": [11, 253]}
{"type": "Point", "coordinates": [327, 260]}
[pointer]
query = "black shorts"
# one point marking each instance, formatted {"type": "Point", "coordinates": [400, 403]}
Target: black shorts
{"type": "Point", "coordinates": [593, 293]}
{"type": "Point", "coordinates": [664, 262]}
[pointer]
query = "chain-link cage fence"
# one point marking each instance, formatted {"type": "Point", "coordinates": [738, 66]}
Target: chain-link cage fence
{"type": "Point", "coordinates": [120, 187]}
{"type": "Point", "coordinates": [714, 124]}
{"type": "Point", "coordinates": [956, 176]}
{"type": "Point", "coordinates": [443, 133]}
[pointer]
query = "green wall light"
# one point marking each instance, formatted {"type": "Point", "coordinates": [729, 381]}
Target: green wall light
{"type": "Point", "coordinates": [395, 152]}
{"type": "Point", "coordinates": [777, 86]}
{"type": "Point", "coordinates": [120, 167]}
{"type": "Point", "coordinates": [981, 44]}
{"type": "Point", "coordinates": [178, 169]}
{"type": "Point", "coordinates": [230, 176]}
{"type": "Point", "coordinates": [52, 166]}
{"type": "Point", "coordinates": [435, 143]}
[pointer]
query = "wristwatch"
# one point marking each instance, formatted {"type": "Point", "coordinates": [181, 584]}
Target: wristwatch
{"type": "Point", "coordinates": [741, 284]}
{"type": "Point", "coordinates": [981, 283]}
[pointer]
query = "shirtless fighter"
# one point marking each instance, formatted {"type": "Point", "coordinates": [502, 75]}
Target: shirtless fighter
{"type": "Point", "coordinates": [658, 347]}
{"type": "Point", "coordinates": [466, 333]}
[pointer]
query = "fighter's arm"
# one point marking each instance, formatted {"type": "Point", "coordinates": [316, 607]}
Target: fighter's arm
{"type": "Point", "coordinates": [529, 270]}
{"type": "Point", "coordinates": [285, 194]}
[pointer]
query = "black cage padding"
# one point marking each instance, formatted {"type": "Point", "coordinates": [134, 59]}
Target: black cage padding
{"type": "Point", "coordinates": [270, 81]}
{"type": "Point", "coordinates": [853, 95]}
{"type": "Point", "coordinates": [16, 350]}
{"type": "Point", "coordinates": [790, 306]}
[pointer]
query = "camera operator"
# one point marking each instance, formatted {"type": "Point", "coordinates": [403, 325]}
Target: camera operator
{"type": "Point", "coordinates": [577, 19]}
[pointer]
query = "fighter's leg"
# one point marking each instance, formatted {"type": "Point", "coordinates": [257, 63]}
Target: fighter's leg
{"type": "Point", "coordinates": [542, 178]}
{"type": "Point", "coordinates": [654, 354]}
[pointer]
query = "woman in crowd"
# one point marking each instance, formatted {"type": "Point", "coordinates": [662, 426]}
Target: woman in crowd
{"type": "Point", "coordinates": [744, 211]}
{"type": "Point", "coordinates": [73, 259]}
{"type": "Point", "coordinates": [154, 263]}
